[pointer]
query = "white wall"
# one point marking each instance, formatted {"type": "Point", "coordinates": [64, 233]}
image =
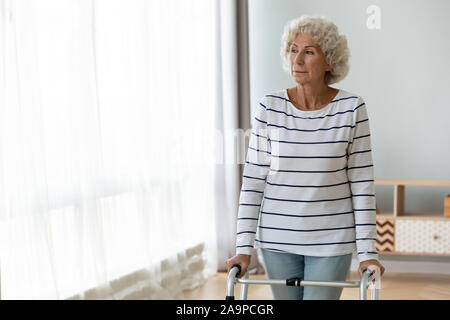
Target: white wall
{"type": "Point", "coordinates": [402, 72]}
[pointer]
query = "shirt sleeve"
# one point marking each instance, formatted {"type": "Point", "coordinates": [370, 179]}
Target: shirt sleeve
{"type": "Point", "coordinates": [361, 178]}
{"type": "Point", "coordinates": [256, 169]}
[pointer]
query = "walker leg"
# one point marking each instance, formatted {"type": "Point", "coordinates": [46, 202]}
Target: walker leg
{"type": "Point", "coordinates": [363, 285]}
{"type": "Point", "coordinates": [244, 288]}
{"type": "Point", "coordinates": [374, 295]}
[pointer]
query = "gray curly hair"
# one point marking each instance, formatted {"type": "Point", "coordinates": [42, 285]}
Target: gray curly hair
{"type": "Point", "coordinates": [324, 33]}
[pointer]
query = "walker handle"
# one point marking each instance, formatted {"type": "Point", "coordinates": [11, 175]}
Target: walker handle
{"type": "Point", "coordinates": [231, 281]}
{"type": "Point", "coordinates": [367, 269]}
{"type": "Point", "coordinates": [239, 268]}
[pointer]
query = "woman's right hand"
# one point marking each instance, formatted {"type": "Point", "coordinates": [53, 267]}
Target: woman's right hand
{"type": "Point", "coordinates": [241, 259]}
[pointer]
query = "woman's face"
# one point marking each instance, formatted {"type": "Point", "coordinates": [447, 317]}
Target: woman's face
{"type": "Point", "coordinates": [308, 63]}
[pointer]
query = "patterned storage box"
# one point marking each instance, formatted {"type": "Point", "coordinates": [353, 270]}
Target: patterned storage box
{"type": "Point", "coordinates": [422, 236]}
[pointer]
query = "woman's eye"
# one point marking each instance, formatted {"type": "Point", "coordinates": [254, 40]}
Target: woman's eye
{"type": "Point", "coordinates": [307, 51]}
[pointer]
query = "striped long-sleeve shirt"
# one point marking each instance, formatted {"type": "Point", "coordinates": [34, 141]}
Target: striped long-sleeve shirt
{"type": "Point", "coordinates": [308, 183]}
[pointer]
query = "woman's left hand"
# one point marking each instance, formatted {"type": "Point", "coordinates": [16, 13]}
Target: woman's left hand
{"type": "Point", "coordinates": [365, 264]}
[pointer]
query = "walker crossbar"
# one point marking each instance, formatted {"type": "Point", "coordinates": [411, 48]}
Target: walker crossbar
{"type": "Point", "coordinates": [363, 284]}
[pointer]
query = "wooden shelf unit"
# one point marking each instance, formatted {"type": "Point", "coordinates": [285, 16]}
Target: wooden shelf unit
{"type": "Point", "coordinates": [403, 233]}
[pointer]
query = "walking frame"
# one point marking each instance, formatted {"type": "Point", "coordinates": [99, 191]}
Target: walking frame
{"type": "Point", "coordinates": [367, 279]}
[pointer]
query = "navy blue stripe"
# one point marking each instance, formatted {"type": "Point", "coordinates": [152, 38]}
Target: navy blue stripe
{"type": "Point", "coordinates": [306, 244]}
{"type": "Point", "coordinates": [257, 164]}
{"type": "Point", "coordinates": [247, 218]}
{"type": "Point", "coordinates": [306, 216]}
{"type": "Point", "coordinates": [244, 246]}
{"type": "Point", "coordinates": [361, 181]}
{"type": "Point", "coordinates": [329, 171]}
{"type": "Point", "coordinates": [365, 224]}
{"type": "Point", "coordinates": [259, 135]}
{"type": "Point", "coordinates": [367, 135]}
{"type": "Point", "coordinates": [306, 118]}
{"type": "Point", "coordinates": [310, 157]}
{"type": "Point", "coordinates": [359, 106]}
{"type": "Point", "coordinates": [324, 142]}
{"type": "Point", "coordinates": [363, 195]}
{"type": "Point", "coordinates": [259, 150]}
{"type": "Point", "coordinates": [249, 204]}
{"type": "Point", "coordinates": [271, 95]}
{"type": "Point", "coordinates": [360, 167]}
{"type": "Point", "coordinates": [252, 191]}
{"type": "Point", "coordinates": [362, 121]}
{"type": "Point", "coordinates": [307, 130]}
{"type": "Point", "coordinates": [297, 171]}
{"type": "Point", "coordinates": [254, 178]}
{"type": "Point", "coordinates": [263, 105]}
{"type": "Point", "coordinates": [364, 209]}
{"type": "Point", "coordinates": [276, 199]}
{"type": "Point", "coordinates": [364, 151]}
{"type": "Point", "coordinates": [312, 230]}
{"type": "Point", "coordinates": [366, 239]}
{"type": "Point", "coordinates": [370, 252]}
{"type": "Point", "coordinates": [246, 232]}
{"type": "Point", "coordinates": [299, 186]}
{"type": "Point", "coordinates": [260, 120]}
{"type": "Point", "coordinates": [304, 130]}
{"type": "Point", "coordinates": [345, 98]}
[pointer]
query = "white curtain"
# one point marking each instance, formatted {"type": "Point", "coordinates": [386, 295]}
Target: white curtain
{"type": "Point", "coordinates": [227, 170]}
{"type": "Point", "coordinates": [233, 121]}
{"type": "Point", "coordinates": [106, 137]}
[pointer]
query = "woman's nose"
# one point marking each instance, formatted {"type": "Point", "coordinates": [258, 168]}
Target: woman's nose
{"type": "Point", "coordinates": [299, 58]}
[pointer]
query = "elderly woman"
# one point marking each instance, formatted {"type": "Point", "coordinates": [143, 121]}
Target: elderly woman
{"type": "Point", "coordinates": [307, 199]}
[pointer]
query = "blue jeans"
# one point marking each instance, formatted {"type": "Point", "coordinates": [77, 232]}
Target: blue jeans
{"type": "Point", "coordinates": [281, 266]}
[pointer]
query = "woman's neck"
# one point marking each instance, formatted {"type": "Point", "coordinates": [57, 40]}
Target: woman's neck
{"type": "Point", "coordinates": [312, 97]}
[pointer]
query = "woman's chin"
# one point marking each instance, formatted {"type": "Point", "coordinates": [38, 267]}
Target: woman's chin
{"type": "Point", "coordinates": [301, 80]}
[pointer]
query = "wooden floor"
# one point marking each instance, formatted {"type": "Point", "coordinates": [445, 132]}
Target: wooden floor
{"type": "Point", "coordinates": [394, 286]}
